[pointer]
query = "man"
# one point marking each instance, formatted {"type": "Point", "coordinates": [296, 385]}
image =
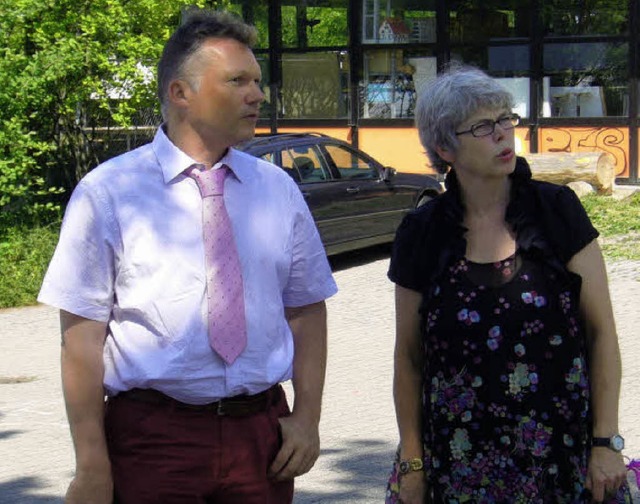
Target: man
{"type": "Point", "coordinates": [186, 421]}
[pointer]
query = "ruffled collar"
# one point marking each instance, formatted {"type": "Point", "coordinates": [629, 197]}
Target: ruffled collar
{"type": "Point", "coordinates": [520, 215]}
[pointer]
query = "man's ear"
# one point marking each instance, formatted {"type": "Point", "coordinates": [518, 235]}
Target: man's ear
{"type": "Point", "coordinates": [179, 92]}
{"type": "Point", "coordinates": [446, 154]}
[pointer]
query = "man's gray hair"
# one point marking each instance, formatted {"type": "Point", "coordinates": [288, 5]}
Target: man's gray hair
{"type": "Point", "coordinates": [198, 26]}
{"type": "Point", "coordinates": [448, 100]}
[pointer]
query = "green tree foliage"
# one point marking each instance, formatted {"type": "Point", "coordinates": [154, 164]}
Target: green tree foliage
{"type": "Point", "coordinates": [67, 68]}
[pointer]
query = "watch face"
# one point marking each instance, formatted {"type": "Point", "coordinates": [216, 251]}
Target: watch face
{"type": "Point", "coordinates": [617, 443]}
{"type": "Point", "coordinates": [404, 467]}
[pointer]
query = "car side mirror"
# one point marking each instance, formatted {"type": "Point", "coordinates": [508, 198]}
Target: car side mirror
{"type": "Point", "coordinates": [388, 174]}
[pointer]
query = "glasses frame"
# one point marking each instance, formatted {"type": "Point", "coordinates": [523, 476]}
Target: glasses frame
{"type": "Point", "coordinates": [513, 121]}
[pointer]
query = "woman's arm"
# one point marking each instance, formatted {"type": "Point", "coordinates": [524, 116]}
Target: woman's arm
{"type": "Point", "coordinates": [407, 390]}
{"type": "Point", "coordinates": [606, 470]}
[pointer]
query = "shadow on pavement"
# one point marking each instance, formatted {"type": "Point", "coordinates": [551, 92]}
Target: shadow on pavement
{"type": "Point", "coordinates": [356, 258]}
{"type": "Point", "coordinates": [359, 473]}
{"type": "Point", "coordinates": [9, 433]}
{"type": "Point", "coordinates": [20, 491]}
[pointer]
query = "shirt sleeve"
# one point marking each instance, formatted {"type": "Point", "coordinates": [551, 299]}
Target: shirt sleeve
{"type": "Point", "coordinates": [572, 228]}
{"type": "Point", "coordinates": [310, 278]}
{"type": "Point", "coordinates": [405, 265]}
{"type": "Point", "coordinates": [80, 276]}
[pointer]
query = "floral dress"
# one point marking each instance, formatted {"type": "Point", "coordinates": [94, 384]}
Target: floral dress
{"type": "Point", "coordinates": [506, 394]}
{"type": "Point", "coordinates": [506, 390]}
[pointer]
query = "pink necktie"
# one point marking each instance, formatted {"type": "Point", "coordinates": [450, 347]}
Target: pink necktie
{"type": "Point", "coordinates": [225, 293]}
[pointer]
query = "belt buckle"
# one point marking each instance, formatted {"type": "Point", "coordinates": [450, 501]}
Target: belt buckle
{"type": "Point", "coordinates": [220, 409]}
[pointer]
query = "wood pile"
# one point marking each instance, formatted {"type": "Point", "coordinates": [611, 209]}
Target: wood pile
{"type": "Point", "coordinates": [594, 168]}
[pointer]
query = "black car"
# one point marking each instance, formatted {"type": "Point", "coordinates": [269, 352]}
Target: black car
{"type": "Point", "coordinates": [355, 201]}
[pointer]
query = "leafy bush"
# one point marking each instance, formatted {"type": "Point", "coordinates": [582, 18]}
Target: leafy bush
{"type": "Point", "coordinates": [70, 70]}
{"type": "Point", "coordinates": [24, 257]}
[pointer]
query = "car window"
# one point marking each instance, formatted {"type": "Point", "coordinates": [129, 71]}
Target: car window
{"type": "Point", "coordinates": [308, 161]}
{"type": "Point", "coordinates": [269, 156]}
{"type": "Point", "coordinates": [284, 160]}
{"type": "Point", "coordinates": [350, 164]}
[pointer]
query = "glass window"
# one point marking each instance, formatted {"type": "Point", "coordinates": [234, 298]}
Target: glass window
{"type": "Point", "coordinates": [479, 22]}
{"type": "Point", "coordinates": [313, 23]}
{"type": "Point", "coordinates": [398, 21]}
{"type": "Point", "coordinates": [314, 85]}
{"type": "Point", "coordinates": [255, 12]}
{"type": "Point", "coordinates": [263, 61]}
{"type": "Point", "coordinates": [586, 17]}
{"type": "Point", "coordinates": [585, 80]}
{"type": "Point", "coordinates": [495, 58]}
{"type": "Point", "coordinates": [349, 164]}
{"type": "Point", "coordinates": [391, 79]}
{"type": "Point", "coordinates": [307, 161]}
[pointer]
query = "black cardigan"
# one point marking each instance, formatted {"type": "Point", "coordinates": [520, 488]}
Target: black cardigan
{"type": "Point", "coordinates": [548, 219]}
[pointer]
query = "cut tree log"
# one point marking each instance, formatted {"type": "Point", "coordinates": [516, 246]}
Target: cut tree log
{"type": "Point", "coordinates": [595, 168]}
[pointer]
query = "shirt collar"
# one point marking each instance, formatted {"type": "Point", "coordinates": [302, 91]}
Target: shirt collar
{"type": "Point", "coordinates": [173, 162]}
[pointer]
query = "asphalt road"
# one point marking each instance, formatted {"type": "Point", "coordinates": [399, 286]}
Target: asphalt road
{"type": "Point", "coordinates": [358, 425]}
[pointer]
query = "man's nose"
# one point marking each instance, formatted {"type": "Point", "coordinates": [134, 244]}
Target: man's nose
{"type": "Point", "coordinates": [256, 95]}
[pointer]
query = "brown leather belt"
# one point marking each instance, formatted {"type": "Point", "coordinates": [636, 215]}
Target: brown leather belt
{"type": "Point", "coordinates": [236, 406]}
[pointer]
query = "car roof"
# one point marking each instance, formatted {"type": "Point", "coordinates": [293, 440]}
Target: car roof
{"type": "Point", "coordinates": [291, 138]}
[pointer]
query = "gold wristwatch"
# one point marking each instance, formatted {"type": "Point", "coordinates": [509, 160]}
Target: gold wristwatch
{"type": "Point", "coordinates": [407, 466]}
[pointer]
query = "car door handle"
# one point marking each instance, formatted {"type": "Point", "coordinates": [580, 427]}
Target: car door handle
{"type": "Point", "coordinates": [353, 190]}
{"type": "Point", "coordinates": [306, 194]}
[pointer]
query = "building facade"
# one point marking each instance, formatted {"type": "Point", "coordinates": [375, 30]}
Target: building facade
{"type": "Point", "coordinates": [352, 69]}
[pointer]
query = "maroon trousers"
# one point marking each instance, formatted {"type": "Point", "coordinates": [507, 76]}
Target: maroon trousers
{"type": "Point", "coordinates": [165, 454]}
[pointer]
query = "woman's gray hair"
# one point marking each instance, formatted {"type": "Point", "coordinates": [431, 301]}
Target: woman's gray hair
{"type": "Point", "coordinates": [448, 100]}
{"type": "Point", "coordinates": [198, 26]}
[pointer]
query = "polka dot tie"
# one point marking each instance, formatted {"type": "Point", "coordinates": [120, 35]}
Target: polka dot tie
{"type": "Point", "coordinates": [225, 293]}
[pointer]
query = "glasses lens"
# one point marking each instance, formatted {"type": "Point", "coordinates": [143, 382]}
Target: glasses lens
{"type": "Point", "coordinates": [509, 121]}
{"type": "Point", "coordinates": [482, 129]}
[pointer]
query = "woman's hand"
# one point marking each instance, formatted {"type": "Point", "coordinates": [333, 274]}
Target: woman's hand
{"type": "Point", "coordinates": [413, 488]}
{"type": "Point", "coordinates": [605, 474]}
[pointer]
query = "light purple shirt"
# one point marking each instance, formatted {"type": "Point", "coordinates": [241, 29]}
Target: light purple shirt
{"type": "Point", "coordinates": [131, 254]}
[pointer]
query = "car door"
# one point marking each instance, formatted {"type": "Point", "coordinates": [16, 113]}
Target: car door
{"type": "Point", "coordinates": [306, 164]}
{"type": "Point", "coordinates": [318, 186]}
{"type": "Point", "coordinates": [369, 205]}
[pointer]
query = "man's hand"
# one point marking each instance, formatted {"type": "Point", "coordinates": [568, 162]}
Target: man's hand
{"type": "Point", "coordinates": [605, 474]}
{"type": "Point", "coordinates": [300, 437]}
{"type": "Point", "coordinates": [300, 449]}
{"type": "Point", "coordinates": [90, 488]}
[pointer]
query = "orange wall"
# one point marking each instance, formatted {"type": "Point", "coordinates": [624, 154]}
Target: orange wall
{"type": "Point", "coordinates": [401, 147]}
{"type": "Point", "coordinates": [397, 147]}
{"type": "Point", "coordinates": [615, 141]}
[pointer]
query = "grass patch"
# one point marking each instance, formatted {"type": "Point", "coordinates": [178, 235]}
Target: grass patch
{"type": "Point", "coordinates": [24, 257]}
{"type": "Point", "coordinates": [619, 224]}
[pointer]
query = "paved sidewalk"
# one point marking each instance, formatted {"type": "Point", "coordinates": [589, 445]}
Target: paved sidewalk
{"type": "Point", "coordinates": [358, 424]}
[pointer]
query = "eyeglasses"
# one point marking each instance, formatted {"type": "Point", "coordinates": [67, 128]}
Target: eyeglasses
{"type": "Point", "coordinates": [487, 127]}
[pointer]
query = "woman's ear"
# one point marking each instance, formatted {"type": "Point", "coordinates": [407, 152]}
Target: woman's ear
{"type": "Point", "coordinates": [446, 154]}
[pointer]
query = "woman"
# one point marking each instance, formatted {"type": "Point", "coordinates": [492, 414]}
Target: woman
{"type": "Point", "coordinates": [507, 367]}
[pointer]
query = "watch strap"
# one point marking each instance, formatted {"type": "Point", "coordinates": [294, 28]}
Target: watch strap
{"type": "Point", "coordinates": [601, 441]}
{"type": "Point", "coordinates": [615, 442]}
{"type": "Point", "coordinates": [411, 465]}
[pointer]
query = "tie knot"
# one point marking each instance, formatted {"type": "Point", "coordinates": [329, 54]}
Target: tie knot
{"type": "Point", "coordinates": [210, 182]}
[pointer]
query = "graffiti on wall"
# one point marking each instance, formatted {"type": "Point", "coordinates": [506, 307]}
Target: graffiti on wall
{"type": "Point", "coordinates": [615, 141]}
